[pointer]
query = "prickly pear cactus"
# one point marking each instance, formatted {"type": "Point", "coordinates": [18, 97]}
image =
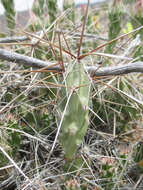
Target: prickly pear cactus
{"type": "Point", "coordinates": [75, 99]}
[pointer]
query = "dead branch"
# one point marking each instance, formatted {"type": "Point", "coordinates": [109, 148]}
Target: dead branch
{"type": "Point", "coordinates": [116, 70]}
{"type": "Point", "coordinates": [92, 70]}
{"type": "Point", "coordinates": [26, 60]}
{"type": "Point", "coordinates": [14, 39]}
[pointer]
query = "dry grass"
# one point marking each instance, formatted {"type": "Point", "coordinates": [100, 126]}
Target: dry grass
{"type": "Point", "coordinates": [110, 156]}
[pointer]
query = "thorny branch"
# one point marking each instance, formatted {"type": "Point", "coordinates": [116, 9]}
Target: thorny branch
{"type": "Point", "coordinates": [92, 70]}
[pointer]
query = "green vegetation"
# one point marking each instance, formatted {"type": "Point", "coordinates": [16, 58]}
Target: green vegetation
{"type": "Point", "coordinates": [70, 130]}
{"type": "Point", "coordinates": [9, 13]}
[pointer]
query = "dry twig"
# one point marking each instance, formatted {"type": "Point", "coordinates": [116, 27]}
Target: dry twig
{"type": "Point", "coordinates": [49, 66]}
